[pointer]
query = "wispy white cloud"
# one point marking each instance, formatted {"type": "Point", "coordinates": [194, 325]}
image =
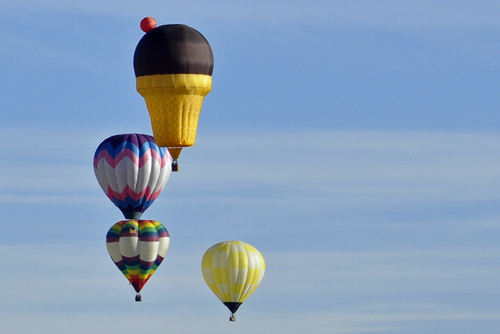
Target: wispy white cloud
{"type": "Point", "coordinates": [321, 322]}
{"type": "Point", "coordinates": [301, 291]}
{"type": "Point", "coordinates": [347, 166]}
{"type": "Point", "coordinates": [382, 272]}
{"type": "Point", "coordinates": [350, 167]}
{"type": "Point", "coordinates": [45, 165]}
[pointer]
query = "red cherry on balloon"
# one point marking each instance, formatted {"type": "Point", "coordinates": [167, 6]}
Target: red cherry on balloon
{"type": "Point", "coordinates": [147, 24]}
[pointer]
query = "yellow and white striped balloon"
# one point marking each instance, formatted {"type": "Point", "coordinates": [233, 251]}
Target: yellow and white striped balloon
{"type": "Point", "coordinates": [232, 270]}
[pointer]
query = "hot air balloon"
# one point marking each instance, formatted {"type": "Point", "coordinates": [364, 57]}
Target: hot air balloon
{"type": "Point", "coordinates": [137, 247]}
{"type": "Point", "coordinates": [132, 170]}
{"type": "Point", "coordinates": [173, 66]}
{"type": "Point", "coordinates": [232, 270]}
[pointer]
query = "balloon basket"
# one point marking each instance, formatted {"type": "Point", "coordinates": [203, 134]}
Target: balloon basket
{"type": "Point", "coordinates": [138, 298]}
{"type": "Point", "coordinates": [175, 166]}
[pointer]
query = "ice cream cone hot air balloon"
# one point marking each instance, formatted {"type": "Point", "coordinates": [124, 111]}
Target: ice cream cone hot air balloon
{"type": "Point", "coordinates": [173, 66]}
{"type": "Point", "coordinates": [232, 270]}
{"type": "Point", "coordinates": [137, 247]}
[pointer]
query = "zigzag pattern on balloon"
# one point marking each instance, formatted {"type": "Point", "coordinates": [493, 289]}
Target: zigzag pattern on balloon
{"type": "Point", "coordinates": [128, 173]}
{"type": "Point", "coordinates": [132, 196]}
{"type": "Point", "coordinates": [132, 171]}
{"type": "Point", "coordinates": [129, 201]}
{"type": "Point", "coordinates": [136, 195]}
{"type": "Point", "coordinates": [137, 155]}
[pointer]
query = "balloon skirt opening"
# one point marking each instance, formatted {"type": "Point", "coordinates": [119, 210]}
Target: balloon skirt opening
{"type": "Point", "coordinates": [232, 306]}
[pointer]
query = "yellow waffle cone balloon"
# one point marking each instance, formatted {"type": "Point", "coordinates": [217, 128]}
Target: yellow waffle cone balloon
{"type": "Point", "coordinates": [173, 65]}
{"type": "Point", "coordinates": [174, 103]}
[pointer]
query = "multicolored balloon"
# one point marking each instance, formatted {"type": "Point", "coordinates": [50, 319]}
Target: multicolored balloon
{"type": "Point", "coordinates": [232, 270]}
{"type": "Point", "coordinates": [173, 65]}
{"type": "Point", "coordinates": [137, 247]}
{"type": "Point", "coordinates": [132, 170]}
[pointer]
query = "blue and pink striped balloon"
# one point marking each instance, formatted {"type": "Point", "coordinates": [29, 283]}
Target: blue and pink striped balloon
{"type": "Point", "coordinates": [132, 170]}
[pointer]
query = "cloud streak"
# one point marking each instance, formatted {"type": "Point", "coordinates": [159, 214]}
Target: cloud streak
{"type": "Point", "coordinates": [360, 166]}
{"type": "Point", "coordinates": [344, 292]}
{"type": "Point", "coordinates": [398, 166]}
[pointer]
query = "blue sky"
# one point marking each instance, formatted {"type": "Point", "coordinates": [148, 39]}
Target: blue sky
{"type": "Point", "coordinates": [356, 144]}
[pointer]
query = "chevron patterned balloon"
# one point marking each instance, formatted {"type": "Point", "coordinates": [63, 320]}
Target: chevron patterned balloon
{"type": "Point", "coordinates": [132, 170]}
{"type": "Point", "coordinates": [137, 247]}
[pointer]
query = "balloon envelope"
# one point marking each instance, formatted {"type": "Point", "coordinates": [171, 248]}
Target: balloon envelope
{"type": "Point", "coordinates": [232, 270]}
{"type": "Point", "coordinates": [173, 65]}
{"type": "Point", "coordinates": [132, 170]}
{"type": "Point", "coordinates": [137, 247]}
